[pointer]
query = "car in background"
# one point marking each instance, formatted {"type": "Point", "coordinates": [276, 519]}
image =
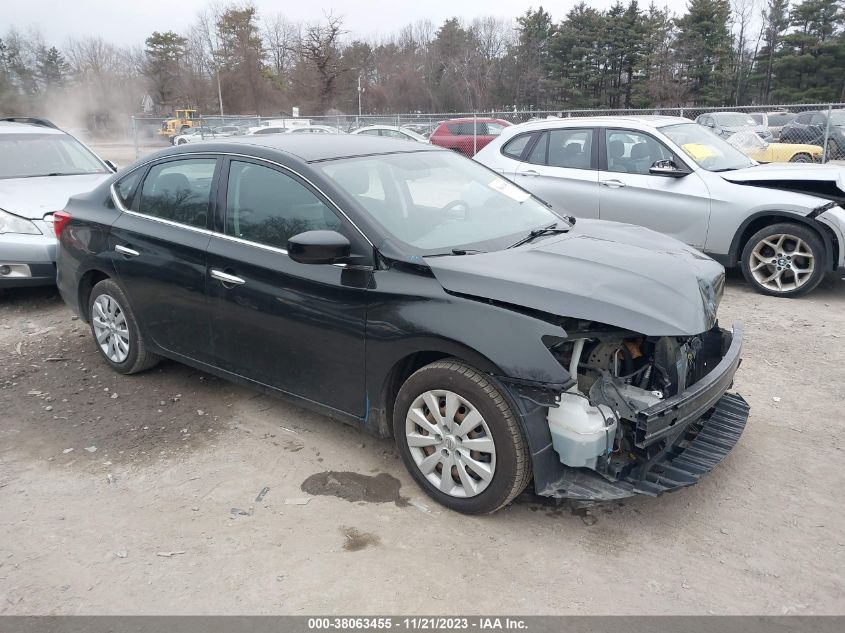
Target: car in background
{"type": "Point", "coordinates": [263, 130]}
{"type": "Point", "coordinates": [754, 147]}
{"type": "Point", "coordinates": [773, 120]}
{"type": "Point", "coordinates": [193, 135]}
{"type": "Point", "coordinates": [812, 126]}
{"type": "Point", "coordinates": [467, 136]}
{"type": "Point", "coordinates": [423, 129]}
{"type": "Point", "coordinates": [391, 131]}
{"type": "Point", "coordinates": [227, 130]}
{"type": "Point", "coordinates": [726, 123]}
{"type": "Point", "coordinates": [414, 294]}
{"type": "Point", "coordinates": [783, 224]}
{"type": "Point", "coordinates": [314, 129]}
{"type": "Point", "coordinates": [40, 168]}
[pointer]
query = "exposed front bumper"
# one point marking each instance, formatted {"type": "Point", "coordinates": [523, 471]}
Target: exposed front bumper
{"type": "Point", "coordinates": [664, 418]}
{"type": "Point", "coordinates": [688, 435]}
{"type": "Point", "coordinates": [679, 467]}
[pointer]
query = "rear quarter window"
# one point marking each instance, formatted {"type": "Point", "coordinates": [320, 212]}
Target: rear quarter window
{"type": "Point", "coordinates": [515, 147]}
{"type": "Point", "coordinates": [125, 188]}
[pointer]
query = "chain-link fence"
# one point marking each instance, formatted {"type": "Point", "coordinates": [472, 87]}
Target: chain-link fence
{"type": "Point", "coordinates": [776, 133]}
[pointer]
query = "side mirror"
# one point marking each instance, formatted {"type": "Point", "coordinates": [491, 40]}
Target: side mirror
{"type": "Point", "coordinates": [318, 247]}
{"type": "Point", "coordinates": [111, 165]}
{"type": "Point", "coordinates": [667, 168]}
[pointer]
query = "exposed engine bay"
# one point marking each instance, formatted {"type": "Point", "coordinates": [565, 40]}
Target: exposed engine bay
{"type": "Point", "coordinates": [601, 421]}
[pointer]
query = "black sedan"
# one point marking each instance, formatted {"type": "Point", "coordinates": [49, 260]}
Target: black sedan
{"type": "Point", "coordinates": [414, 293]}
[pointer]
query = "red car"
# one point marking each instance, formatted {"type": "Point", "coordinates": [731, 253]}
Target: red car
{"type": "Point", "coordinates": [467, 136]}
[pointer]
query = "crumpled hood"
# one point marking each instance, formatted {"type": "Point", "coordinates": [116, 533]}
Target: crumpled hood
{"type": "Point", "coordinates": [618, 274]}
{"type": "Point", "coordinates": [33, 198]}
{"type": "Point", "coordinates": [824, 181]}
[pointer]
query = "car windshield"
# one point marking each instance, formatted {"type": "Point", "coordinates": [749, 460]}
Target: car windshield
{"type": "Point", "coordinates": [705, 148]}
{"type": "Point", "coordinates": [837, 117]}
{"type": "Point", "coordinates": [434, 202]}
{"type": "Point", "coordinates": [734, 120]}
{"type": "Point", "coordinates": [31, 155]}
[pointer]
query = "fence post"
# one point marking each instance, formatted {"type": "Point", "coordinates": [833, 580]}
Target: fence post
{"type": "Point", "coordinates": [682, 113]}
{"type": "Point", "coordinates": [135, 137]}
{"type": "Point", "coordinates": [825, 157]}
{"type": "Point", "coordinates": [474, 134]}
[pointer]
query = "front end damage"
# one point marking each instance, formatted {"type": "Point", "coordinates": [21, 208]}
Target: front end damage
{"type": "Point", "coordinates": [643, 415]}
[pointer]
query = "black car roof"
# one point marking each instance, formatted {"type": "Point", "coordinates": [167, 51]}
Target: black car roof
{"type": "Point", "coordinates": [319, 147]}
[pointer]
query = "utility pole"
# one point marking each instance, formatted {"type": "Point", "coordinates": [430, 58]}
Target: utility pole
{"type": "Point", "coordinates": [360, 90]}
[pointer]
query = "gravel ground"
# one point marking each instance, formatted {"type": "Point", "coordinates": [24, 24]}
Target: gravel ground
{"type": "Point", "coordinates": [174, 492]}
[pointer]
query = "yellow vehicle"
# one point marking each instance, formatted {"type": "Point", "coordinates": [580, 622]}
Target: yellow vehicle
{"type": "Point", "coordinates": [750, 144]}
{"type": "Point", "coordinates": [182, 120]}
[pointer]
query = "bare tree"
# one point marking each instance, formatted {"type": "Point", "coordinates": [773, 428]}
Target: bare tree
{"type": "Point", "coordinates": [319, 49]}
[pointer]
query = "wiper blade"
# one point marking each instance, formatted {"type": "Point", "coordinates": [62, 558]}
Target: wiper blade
{"type": "Point", "coordinates": [458, 251]}
{"type": "Point", "coordinates": [547, 230]}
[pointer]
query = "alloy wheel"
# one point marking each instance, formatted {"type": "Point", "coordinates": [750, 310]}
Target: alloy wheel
{"type": "Point", "coordinates": [450, 443]}
{"type": "Point", "coordinates": [781, 262]}
{"type": "Point", "coordinates": [110, 328]}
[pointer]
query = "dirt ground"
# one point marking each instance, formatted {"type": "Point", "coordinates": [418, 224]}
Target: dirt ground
{"type": "Point", "coordinates": [174, 492]}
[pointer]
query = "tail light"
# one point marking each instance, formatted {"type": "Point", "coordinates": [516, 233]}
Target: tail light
{"type": "Point", "coordinates": [60, 221]}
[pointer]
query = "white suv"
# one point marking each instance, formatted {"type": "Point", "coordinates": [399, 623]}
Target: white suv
{"type": "Point", "coordinates": [784, 224]}
{"type": "Point", "coordinates": [40, 168]}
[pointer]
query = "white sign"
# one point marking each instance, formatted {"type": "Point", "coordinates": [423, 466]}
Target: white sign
{"type": "Point", "coordinates": [294, 111]}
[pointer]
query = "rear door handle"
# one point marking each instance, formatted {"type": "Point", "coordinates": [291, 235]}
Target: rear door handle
{"type": "Point", "coordinates": [226, 278]}
{"type": "Point", "coordinates": [529, 172]}
{"type": "Point", "coordinates": [123, 250]}
{"type": "Point", "coordinates": [613, 183]}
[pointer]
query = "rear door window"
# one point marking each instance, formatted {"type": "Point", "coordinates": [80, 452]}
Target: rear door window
{"type": "Point", "coordinates": [179, 191]}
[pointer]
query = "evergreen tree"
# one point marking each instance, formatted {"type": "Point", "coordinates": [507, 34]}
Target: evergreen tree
{"type": "Point", "coordinates": [704, 51]}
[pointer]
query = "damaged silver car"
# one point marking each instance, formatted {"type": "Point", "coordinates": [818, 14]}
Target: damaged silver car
{"type": "Point", "coordinates": [783, 224]}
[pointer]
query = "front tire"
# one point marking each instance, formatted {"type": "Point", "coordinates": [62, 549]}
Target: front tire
{"type": "Point", "coordinates": [803, 157]}
{"type": "Point", "coordinates": [115, 330]}
{"type": "Point", "coordinates": [783, 260]}
{"type": "Point", "coordinates": [459, 438]}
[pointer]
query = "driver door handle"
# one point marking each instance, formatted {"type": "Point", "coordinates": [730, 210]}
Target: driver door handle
{"type": "Point", "coordinates": [529, 172]}
{"type": "Point", "coordinates": [615, 184]}
{"type": "Point", "coordinates": [226, 278]}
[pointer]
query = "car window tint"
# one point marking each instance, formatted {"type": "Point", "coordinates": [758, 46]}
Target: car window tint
{"type": "Point", "coordinates": [803, 119]}
{"type": "Point", "coordinates": [179, 191]}
{"type": "Point", "coordinates": [779, 119]}
{"type": "Point", "coordinates": [538, 153]}
{"type": "Point", "coordinates": [758, 118]}
{"type": "Point", "coordinates": [514, 147]}
{"type": "Point", "coordinates": [570, 148]}
{"type": "Point", "coordinates": [267, 206]}
{"type": "Point", "coordinates": [125, 187]}
{"type": "Point", "coordinates": [630, 152]}
{"type": "Point", "coordinates": [817, 119]}
{"type": "Point", "coordinates": [371, 132]}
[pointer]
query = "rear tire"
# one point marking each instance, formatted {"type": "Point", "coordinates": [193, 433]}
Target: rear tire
{"type": "Point", "coordinates": [474, 434]}
{"type": "Point", "coordinates": [115, 330]}
{"type": "Point", "coordinates": [803, 157]}
{"type": "Point", "coordinates": [784, 260]}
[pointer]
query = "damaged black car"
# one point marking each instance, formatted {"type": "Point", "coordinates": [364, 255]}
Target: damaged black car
{"type": "Point", "coordinates": [416, 294]}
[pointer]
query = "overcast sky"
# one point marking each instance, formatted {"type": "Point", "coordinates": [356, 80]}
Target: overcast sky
{"type": "Point", "coordinates": [130, 22]}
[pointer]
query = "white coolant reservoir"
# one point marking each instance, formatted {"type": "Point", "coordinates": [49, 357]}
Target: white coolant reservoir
{"type": "Point", "coordinates": [580, 433]}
